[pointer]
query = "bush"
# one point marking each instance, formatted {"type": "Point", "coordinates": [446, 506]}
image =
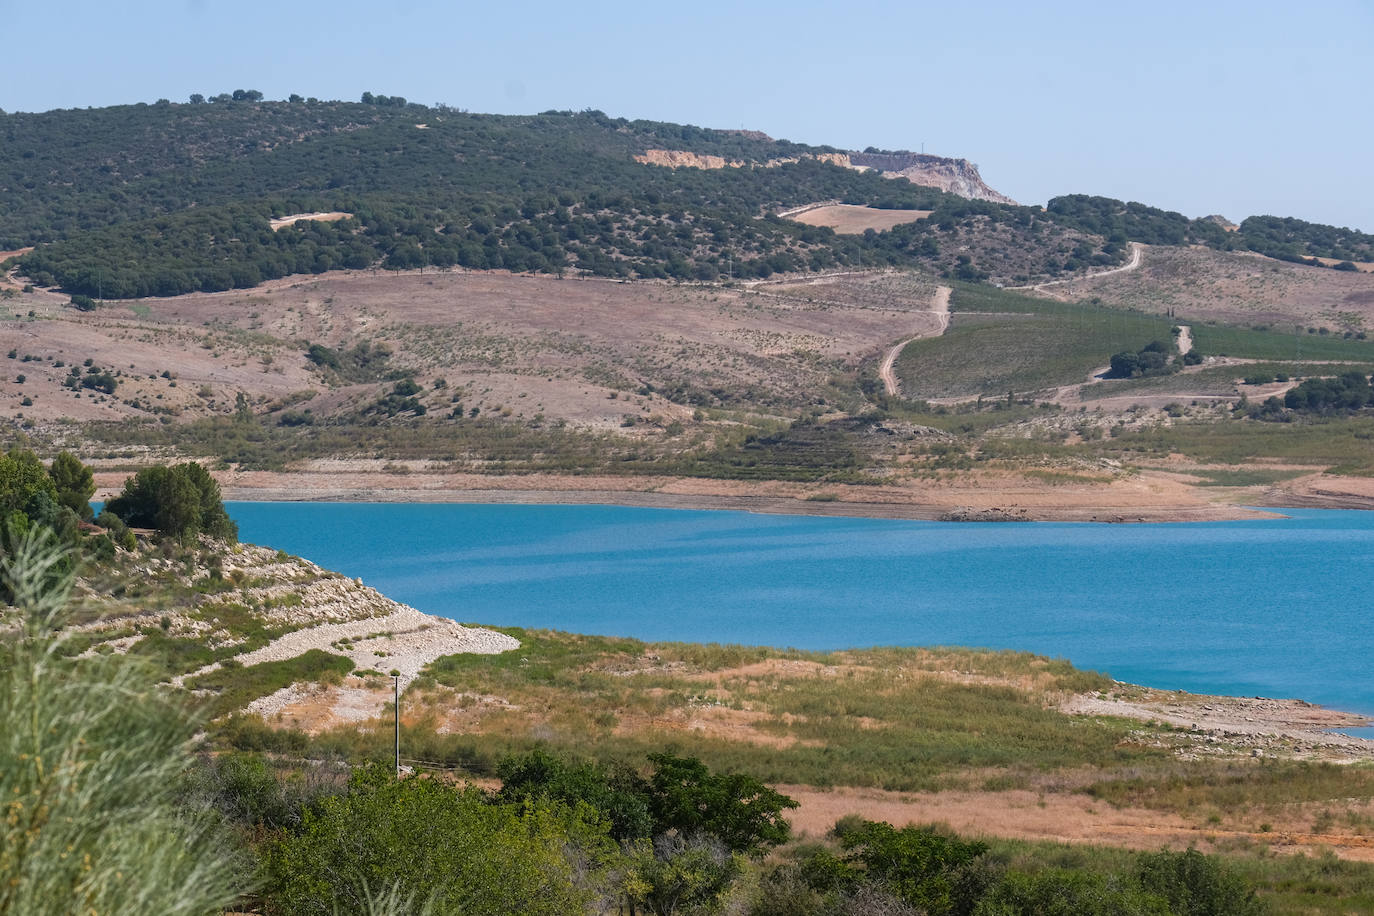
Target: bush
{"type": "Point", "coordinates": [1197, 885]}
{"type": "Point", "coordinates": [1060, 892]}
{"type": "Point", "coordinates": [445, 846]}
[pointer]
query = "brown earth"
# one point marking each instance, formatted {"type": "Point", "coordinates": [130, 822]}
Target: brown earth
{"type": "Point", "coordinates": [291, 220]}
{"type": "Point", "coordinates": [1150, 495]}
{"type": "Point", "coordinates": [1066, 817]}
{"type": "Point", "coordinates": [847, 219]}
{"type": "Point", "coordinates": [580, 351]}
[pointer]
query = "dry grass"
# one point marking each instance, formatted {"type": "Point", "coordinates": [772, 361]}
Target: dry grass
{"type": "Point", "coordinates": [848, 219]}
{"type": "Point", "coordinates": [587, 352]}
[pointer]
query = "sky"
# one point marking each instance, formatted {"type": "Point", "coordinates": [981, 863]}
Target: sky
{"type": "Point", "coordinates": [1201, 107]}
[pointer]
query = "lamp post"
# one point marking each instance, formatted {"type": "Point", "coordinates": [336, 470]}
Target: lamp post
{"type": "Point", "coordinates": [396, 712]}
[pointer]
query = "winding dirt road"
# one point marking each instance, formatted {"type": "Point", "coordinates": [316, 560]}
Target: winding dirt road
{"type": "Point", "coordinates": [1136, 250]}
{"type": "Point", "coordinates": [940, 309]}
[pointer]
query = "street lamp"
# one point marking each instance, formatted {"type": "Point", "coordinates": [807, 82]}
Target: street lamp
{"type": "Point", "coordinates": [396, 713]}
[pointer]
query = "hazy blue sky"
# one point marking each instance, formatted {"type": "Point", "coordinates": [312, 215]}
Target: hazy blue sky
{"type": "Point", "coordinates": [1233, 108]}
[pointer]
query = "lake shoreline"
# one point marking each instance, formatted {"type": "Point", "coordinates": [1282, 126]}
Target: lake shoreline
{"type": "Point", "coordinates": [1151, 495]}
{"type": "Point", "coordinates": [765, 505]}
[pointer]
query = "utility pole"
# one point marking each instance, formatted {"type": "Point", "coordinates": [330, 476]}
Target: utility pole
{"type": "Point", "coordinates": [396, 709]}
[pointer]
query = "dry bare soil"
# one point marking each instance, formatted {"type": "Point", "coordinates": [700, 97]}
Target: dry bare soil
{"type": "Point", "coordinates": [520, 346]}
{"type": "Point", "coordinates": [848, 219]}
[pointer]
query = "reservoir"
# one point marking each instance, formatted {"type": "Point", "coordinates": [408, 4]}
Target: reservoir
{"type": "Point", "coordinates": [1276, 607]}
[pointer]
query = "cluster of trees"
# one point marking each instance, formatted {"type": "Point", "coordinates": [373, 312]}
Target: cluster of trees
{"type": "Point", "coordinates": [55, 498]}
{"type": "Point", "coordinates": [51, 505]}
{"type": "Point", "coordinates": [385, 101]}
{"type": "Point", "coordinates": [1350, 391]}
{"type": "Point", "coordinates": [1130, 221]}
{"type": "Point", "coordinates": [1284, 238]}
{"type": "Point", "coordinates": [1151, 359]}
{"type": "Point", "coordinates": [1295, 240]}
{"type": "Point", "coordinates": [182, 502]}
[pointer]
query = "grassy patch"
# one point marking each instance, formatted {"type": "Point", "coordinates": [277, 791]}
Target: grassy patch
{"type": "Point", "coordinates": [895, 718]}
{"type": "Point", "coordinates": [1300, 883]}
{"type": "Point", "coordinates": [1236, 787]}
{"type": "Point", "coordinates": [239, 686]}
{"type": "Point", "coordinates": [1340, 444]}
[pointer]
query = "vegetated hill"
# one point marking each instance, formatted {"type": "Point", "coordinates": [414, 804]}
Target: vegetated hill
{"type": "Point", "coordinates": [1287, 239]}
{"type": "Point", "coordinates": [151, 200]}
{"type": "Point", "coordinates": [170, 198]}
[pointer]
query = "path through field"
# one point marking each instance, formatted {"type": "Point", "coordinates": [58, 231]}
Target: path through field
{"type": "Point", "coordinates": [940, 309]}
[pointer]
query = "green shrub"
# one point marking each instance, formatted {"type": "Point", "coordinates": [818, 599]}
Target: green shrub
{"type": "Point", "coordinates": [1197, 885]}
{"type": "Point", "coordinates": [446, 846]}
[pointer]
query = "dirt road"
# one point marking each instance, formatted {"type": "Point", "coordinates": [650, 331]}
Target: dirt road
{"type": "Point", "coordinates": [940, 309]}
{"type": "Point", "coordinates": [1132, 264]}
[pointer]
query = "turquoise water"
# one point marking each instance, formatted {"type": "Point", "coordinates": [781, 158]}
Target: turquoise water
{"type": "Point", "coordinates": [1273, 608]}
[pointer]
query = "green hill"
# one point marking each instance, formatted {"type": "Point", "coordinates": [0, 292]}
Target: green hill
{"type": "Point", "coordinates": [168, 198]}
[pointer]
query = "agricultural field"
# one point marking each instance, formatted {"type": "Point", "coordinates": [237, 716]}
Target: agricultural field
{"type": "Point", "coordinates": [849, 219]}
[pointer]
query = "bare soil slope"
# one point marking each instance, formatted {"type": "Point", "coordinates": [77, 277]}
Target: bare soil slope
{"type": "Point", "coordinates": [585, 351]}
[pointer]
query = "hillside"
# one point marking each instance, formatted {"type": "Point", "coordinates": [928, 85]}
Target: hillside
{"type": "Point", "coordinates": [172, 198]}
{"type": "Point", "coordinates": [156, 200]}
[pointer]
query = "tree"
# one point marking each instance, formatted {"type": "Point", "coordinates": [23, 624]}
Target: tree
{"type": "Point", "coordinates": [197, 99]}
{"type": "Point", "coordinates": [1197, 885]}
{"type": "Point", "coordinates": [618, 797]}
{"type": "Point", "coordinates": [737, 809]}
{"type": "Point", "coordinates": [23, 480]}
{"type": "Point", "coordinates": [682, 875]}
{"type": "Point", "coordinates": [179, 502]}
{"type": "Point", "coordinates": [1124, 364]}
{"type": "Point", "coordinates": [75, 484]}
{"type": "Point", "coordinates": [1061, 892]}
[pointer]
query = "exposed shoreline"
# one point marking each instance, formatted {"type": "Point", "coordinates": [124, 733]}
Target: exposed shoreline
{"type": "Point", "coordinates": [1151, 495]}
{"type": "Point", "coordinates": [1155, 499]}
